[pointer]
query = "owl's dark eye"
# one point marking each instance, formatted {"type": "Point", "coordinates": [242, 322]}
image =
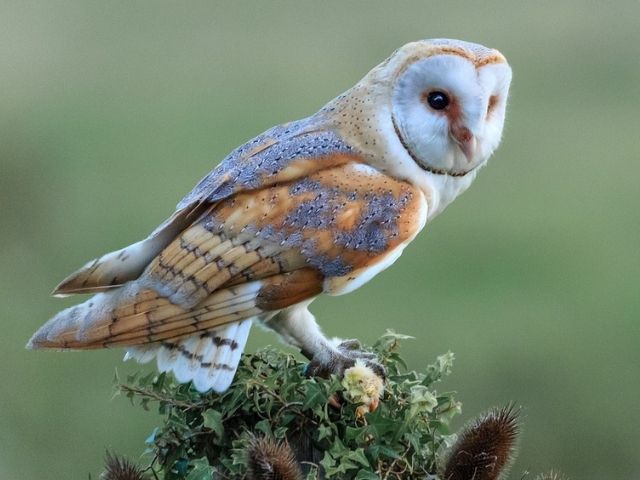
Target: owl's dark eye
{"type": "Point", "coordinates": [438, 100]}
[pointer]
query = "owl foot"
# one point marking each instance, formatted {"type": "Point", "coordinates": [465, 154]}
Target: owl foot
{"type": "Point", "coordinates": [363, 376]}
{"type": "Point", "coordinates": [342, 358]}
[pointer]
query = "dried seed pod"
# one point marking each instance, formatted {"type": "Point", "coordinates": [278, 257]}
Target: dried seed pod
{"type": "Point", "coordinates": [485, 447]}
{"type": "Point", "coordinates": [272, 460]}
{"type": "Point", "coordinates": [119, 468]}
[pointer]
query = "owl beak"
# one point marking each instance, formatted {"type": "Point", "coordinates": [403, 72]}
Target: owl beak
{"type": "Point", "coordinates": [465, 140]}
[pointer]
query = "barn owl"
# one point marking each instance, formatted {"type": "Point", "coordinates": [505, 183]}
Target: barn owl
{"type": "Point", "coordinates": [319, 205]}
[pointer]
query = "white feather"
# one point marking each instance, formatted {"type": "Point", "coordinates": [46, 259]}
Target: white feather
{"type": "Point", "coordinates": [185, 359]}
{"type": "Point", "coordinates": [180, 367]}
{"type": "Point", "coordinates": [142, 354]}
{"type": "Point", "coordinates": [222, 355]}
{"type": "Point", "coordinates": [226, 376]}
{"type": "Point", "coordinates": [162, 359]}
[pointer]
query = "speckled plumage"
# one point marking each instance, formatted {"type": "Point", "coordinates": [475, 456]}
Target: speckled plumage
{"type": "Point", "coordinates": [320, 205]}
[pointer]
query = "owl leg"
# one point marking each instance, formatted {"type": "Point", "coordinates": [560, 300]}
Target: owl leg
{"type": "Point", "coordinates": [297, 327]}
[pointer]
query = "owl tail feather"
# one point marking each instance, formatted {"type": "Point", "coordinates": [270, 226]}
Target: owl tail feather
{"type": "Point", "coordinates": [202, 345]}
{"type": "Point", "coordinates": [208, 359]}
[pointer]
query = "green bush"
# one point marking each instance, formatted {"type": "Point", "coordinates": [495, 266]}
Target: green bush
{"type": "Point", "coordinates": [275, 422]}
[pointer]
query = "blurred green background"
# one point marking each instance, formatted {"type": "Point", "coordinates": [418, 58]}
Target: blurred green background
{"type": "Point", "coordinates": [111, 111]}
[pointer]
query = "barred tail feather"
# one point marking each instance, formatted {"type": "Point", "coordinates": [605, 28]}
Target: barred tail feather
{"type": "Point", "coordinates": [209, 359]}
{"type": "Point", "coordinates": [134, 316]}
{"type": "Point", "coordinates": [225, 376]}
{"type": "Point", "coordinates": [71, 327]}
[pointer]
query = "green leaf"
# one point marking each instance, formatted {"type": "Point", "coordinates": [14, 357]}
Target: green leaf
{"type": "Point", "coordinates": [264, 426]}
{"type": "Point", "coordinates": [150, 440]}
{"type": "Point", "coordinates": [201, 470]}
{"type": "Point", "coordinates": [358, 456]}
{"type": "Point", "coordinates": [280, 432]}
{"type": "Point", "coordinates": [324, 431]}
{"type": "Point", "coordinates": [287, 418]}
{"type": "Point", "coordinates": [380, 424]}
{"type": "Point", "coordinates": [213, 421]}
{"type": "Point", "coordinates": [367, 475]}
{"type": "Point", "coordinates": [415, 439]}
{"type": "Point", "coordinates": [344, 466]}
{"type": "Point", "coordinates": [327, 461]}
{"type": "Point", "coordinates": [422, 400]}
{"type": "Point", "coordinates": [338, 449]}
{"type": "Point", "coordinates": [376, 451]}
{"type": "Point", "coordinates": [314, 397]}
{"type": "Point", "coordinates": [353, 433]}
{"type": "Point", "coordinates": [159, 382]}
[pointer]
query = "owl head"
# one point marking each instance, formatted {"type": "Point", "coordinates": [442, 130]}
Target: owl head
{"type": "Point", "coordinates": [440, 105]}
{"type": "Point", "coordinates": [448, 102]}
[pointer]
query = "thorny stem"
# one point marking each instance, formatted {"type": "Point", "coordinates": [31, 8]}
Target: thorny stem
{"type": "Point", "coordinates": [151, 467]}
{"type": "Point", "coordinates": [160, 398]}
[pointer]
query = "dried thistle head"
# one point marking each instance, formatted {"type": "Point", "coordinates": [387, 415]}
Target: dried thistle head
{"type": "Point", "coordinates": [552, 475]}
{"type": "Point", "coordinates": [485, 447]}
{"type": "Point", "coordinates": [119, 468]}
{"type": "Point", "coordinates": [272, 460]}
{"type": "Point", "coordinates": [362, 385]}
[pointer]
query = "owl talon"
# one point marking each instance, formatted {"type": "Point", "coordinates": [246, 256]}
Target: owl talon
{"type": "Point", "coordinates": [353, 349]}
{"type": "Point", "coordinates": [334, 402]}
{"type": "Point", "coordinates": [343, 358]}
{"type": "Point", "coordinates": [351, 344]}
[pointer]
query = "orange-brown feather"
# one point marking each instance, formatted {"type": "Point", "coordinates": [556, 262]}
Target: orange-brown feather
{"type": "Point", "coordinates": [271, 208]}
{"type": "Point", "coordinates": [256, 252]}
{"type": "Point", "coordinates": [282, 291]}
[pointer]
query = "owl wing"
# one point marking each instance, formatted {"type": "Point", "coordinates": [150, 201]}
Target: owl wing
{"type": "Point", "coordinates": [281, 154]}
{"type": "Point", "coordinates": [252, 254]}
